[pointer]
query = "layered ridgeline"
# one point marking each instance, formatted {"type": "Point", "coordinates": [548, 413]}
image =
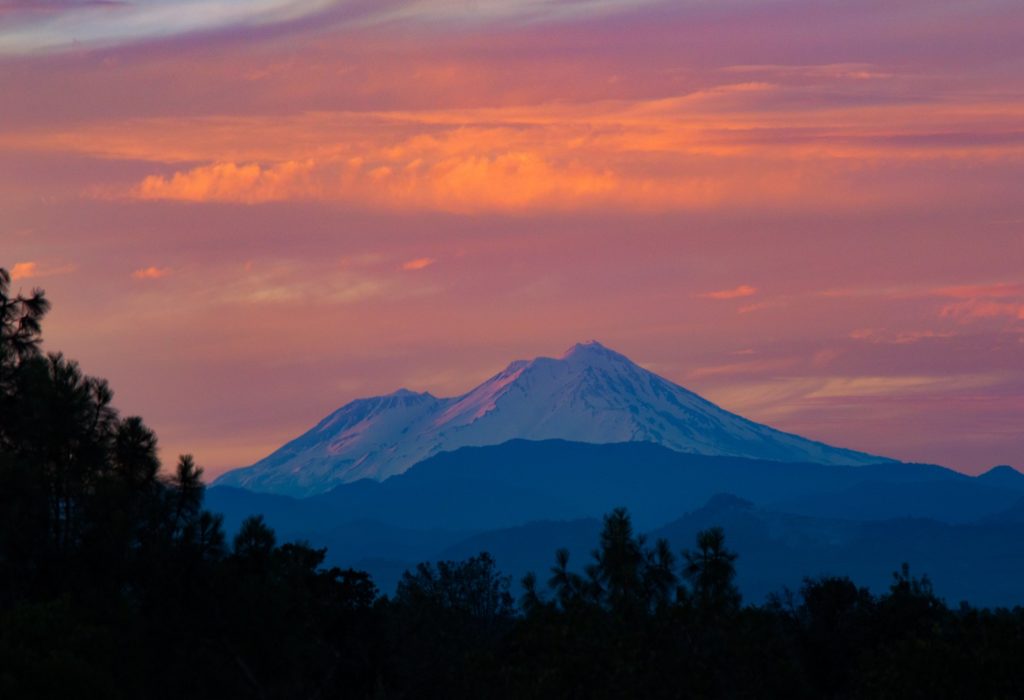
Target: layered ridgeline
{"type": "Point", "coordinates": [590, 394]}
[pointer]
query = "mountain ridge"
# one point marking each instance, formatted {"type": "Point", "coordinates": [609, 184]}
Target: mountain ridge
{"type": "Point", "coordinates": [589, 394]}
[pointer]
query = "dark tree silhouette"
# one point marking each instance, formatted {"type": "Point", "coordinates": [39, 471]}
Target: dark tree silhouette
{"type": "Point", "coordinates": [619, 564]}
{"type": "Point", "coordinates": [626, 576]}
{"type": "Point", "coordinates": [711, 572]}
{"type": "Point", "coordinates": [20, 323]}
{"type": "Point", "coordinates": [473, 588]}
{"type": "Point", "coordinates": [254, 541]}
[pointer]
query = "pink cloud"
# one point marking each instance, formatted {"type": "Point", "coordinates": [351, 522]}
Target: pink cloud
{"type": "Point", "coordinates": [877, 336]}
{"type": "Point", "coordinates": [151, 273]}
{"type": "Point", "coordinates": [983, 308]}
{"type": "Point", "coordinates": [1002, 299]}
{"type": "Point", "coordinates": [744, 290]}
{"type": "Point", "coordinates": [418, 264]}
{"type": "Point", "coordinates": [999, 290]}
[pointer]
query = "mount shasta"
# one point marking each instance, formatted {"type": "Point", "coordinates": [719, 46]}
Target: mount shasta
{"type": "Point", "coordinates": [590, 394]}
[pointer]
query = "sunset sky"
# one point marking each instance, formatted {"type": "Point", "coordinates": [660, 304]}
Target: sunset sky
{"type": "Point", "coordinates": [249, 212]}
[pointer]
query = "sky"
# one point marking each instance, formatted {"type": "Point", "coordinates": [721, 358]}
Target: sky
{"type": "Point", "coordinates": [249, 212]}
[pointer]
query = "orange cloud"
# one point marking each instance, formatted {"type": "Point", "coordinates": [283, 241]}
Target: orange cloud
{"type": "Point", "coordinates": [28, 269]}
{"type": "Point", "coordinates": [728, 145]}
{"type": "Point", "coordinates": [419, 174]}
{"type": "Point", "coordinates": [744, 290]}
{"type": "Point", "coordinates": [24, 270]}
{"type": "Point", "coordinates": [418, 264]}
{"type": "Point", "coordinates": [229, 182]}
{"type": "Point", "coordinates": [151, 273]}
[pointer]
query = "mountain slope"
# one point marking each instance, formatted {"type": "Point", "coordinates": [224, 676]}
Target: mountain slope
{"type": "Point", "coordinates": [483, 488]}
{"type": "Point", "coordinates": [591, 394]}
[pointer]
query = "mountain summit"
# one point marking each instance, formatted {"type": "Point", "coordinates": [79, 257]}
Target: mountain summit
{"type": "Point", "coordinates": [590, 394]}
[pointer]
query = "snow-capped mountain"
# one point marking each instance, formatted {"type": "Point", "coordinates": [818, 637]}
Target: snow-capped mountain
{"type": "Point", "coordinates": [589, 394]}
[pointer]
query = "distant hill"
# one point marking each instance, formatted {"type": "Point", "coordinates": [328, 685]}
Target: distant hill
{"type": "Point", "coordinates": [977, 562]}
{"type": "Point", "coordinates": [953, 500]}
{"type": "Point", "coordinates": [1004, 477]}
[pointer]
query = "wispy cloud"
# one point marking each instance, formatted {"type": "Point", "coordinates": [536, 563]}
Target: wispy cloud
{"type": "Point", "coordinates": [781, 396]}
{"type": "Point", "coordinates": [54, 25]}
{"type": "Point", "coordinates": [854, 387]}
{"type": "Point", "coordinates": [740, 292]}
{"type": "Point", "coordinates": [830, 71]}
{"type": "Point", "coordinates": [998, 290]}
{"type": "Point", "coordinates": [902, 337]}
{"type": "Point", "coordinates": [1004, 299]}
{"type": "Point", "coordinates": [747, 367]}
{"type": "Point", "coordinates": [984, 308]}
{"type": "Point", "coordinates": [298, 283]}
{"type": "Point", "coordinates": [964, 302]}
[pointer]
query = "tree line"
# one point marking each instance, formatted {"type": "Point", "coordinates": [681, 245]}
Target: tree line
{"type": "Point", "coordinates": [115, 582]}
